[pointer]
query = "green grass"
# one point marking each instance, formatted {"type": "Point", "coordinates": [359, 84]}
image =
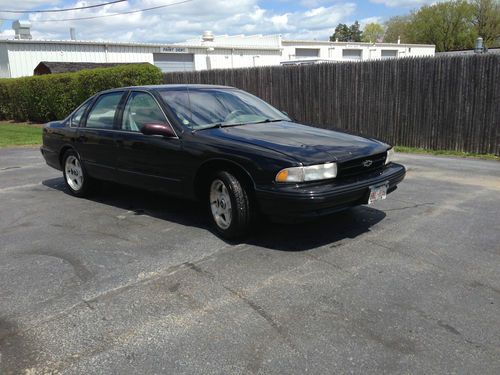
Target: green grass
{"type": "Point", "coordinates": [460, 154]}
{"type": "Point", "coordinates": [16, 134]}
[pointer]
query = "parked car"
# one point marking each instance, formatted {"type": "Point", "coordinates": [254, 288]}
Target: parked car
{"type": "Point", "coordinates": [219, 145]}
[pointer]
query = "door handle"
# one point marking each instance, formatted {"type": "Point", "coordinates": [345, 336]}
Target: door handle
{"type": "Point", "coordinates": [82, 138]}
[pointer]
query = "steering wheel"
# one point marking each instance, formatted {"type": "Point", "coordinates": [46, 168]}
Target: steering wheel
{"type": "Point", "coordinates": [233, 114]}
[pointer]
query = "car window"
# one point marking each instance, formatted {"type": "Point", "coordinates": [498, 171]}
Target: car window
{"type": "Point", "coordinates": [141, 109]}
{"type": "Point", "coordinates": [102, 115]}
{"type": "Point", "coordinates": [77, 116]}
{"type": "Point", "coordinates": [205, 107]}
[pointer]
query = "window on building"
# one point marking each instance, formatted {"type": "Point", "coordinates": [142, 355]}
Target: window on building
{"type": "Point", "coordinates": [389, 53]}
{"type": "Point", "coordinates": [352, 54]}
{"type": "Point", "coordinates": [306, 52]}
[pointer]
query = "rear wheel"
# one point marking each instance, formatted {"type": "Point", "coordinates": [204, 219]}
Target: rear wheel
{"type": "Point", "coordinates": [77, 180]}
{"type": "Point", "coordinates": [229, 205]}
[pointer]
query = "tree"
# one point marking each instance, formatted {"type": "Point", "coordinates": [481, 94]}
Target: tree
{"type": "Point", "coordinates": [372, 32]}
{"type": "Point", "coordinates": [448, 25]}
{"type": "Point", "coordinates": [356, 33]}
{"type": "Point", "coordinates": [397, 28]}
{"type": "Point", "coordinates": [487, 21]}
{"type": "Point", "coordinates": [344, 33]}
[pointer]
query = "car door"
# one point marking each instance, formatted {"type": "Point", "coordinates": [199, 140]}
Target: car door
{"type": "Point", "coordinates": [96, 137]}
{"type": "Point", "coordinates": [147, 161]}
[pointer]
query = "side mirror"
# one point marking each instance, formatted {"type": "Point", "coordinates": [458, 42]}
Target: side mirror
{"type": "Point", "coordinates": [158, 129]}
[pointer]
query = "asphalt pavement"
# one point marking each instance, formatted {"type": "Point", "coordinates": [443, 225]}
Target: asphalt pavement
{"type": "Point", "coordinates": [129, 282]}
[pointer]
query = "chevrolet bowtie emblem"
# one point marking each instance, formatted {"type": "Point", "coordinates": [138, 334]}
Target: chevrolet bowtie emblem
{"type": "Point", "coordinates": [367, 163]}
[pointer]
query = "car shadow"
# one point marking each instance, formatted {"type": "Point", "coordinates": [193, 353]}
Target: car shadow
{"type": "Point", "coordinates": [276, 236]}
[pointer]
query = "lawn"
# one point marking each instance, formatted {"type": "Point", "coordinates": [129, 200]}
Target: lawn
{"type": "Point", "coordinates": [19, 134]}
{"type": "Point", "coordinates": [460, 154]}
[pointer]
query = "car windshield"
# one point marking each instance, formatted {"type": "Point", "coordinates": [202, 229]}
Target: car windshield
{"type": "Point", "coordinates": [204, 108]}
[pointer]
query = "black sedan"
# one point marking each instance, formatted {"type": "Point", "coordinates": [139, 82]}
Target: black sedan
{"type": "Point", "coordinates": [219, 145]}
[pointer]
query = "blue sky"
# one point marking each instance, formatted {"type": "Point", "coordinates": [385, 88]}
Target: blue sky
{"type": "Point", "coordinates": [304, 19]}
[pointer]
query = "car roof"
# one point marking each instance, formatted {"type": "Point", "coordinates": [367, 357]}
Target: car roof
{"type": "Point", "coordinates": [171, 86]}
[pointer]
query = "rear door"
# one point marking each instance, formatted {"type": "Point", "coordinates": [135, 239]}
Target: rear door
{"type": "Point", "coordinates": [96, 138]}
{"type": "Point", "coordinates": [149, 161]}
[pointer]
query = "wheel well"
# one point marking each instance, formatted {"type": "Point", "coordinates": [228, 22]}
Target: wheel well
{"type": "Point", "coordinates": [61, 154]}
{"type": "Point", "coordinates": [204, 173]}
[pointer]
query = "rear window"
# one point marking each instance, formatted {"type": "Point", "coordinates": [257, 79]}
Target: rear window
{"type": "Point", "coordinates": [102, 115]}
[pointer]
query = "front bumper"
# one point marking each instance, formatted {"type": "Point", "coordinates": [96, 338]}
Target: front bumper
{"type": "Point", "coordinates": [318, 199]}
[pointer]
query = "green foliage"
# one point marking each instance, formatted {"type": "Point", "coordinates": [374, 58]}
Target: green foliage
{"type": "Point", "coordinates": [356, 32]}
{"type": "Point", "coordinates": [372, 32]}
{"type": "Point", "coordinates": [487, 21]}
{"type": "Point", "coordinates": [397, 27]}
{"type": "Point", "coordinates": [54, 96]}
{"type": "Point", "coordinates": [448, 25]}
{"type": "Point", "coordinates": [342, 33]}
{"type": "Point", "coordinates": [346, 33]}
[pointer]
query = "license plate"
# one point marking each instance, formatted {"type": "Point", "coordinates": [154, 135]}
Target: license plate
{"type": "Point", "coordinates": [377, 193]}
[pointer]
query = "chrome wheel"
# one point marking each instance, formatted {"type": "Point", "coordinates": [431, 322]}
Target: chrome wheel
{"type": "Point", "coordinates": [220, 204]}
{"type": "Point", "coordinates": [73, 172]}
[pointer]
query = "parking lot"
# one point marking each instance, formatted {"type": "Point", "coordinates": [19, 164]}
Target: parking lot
{"type": "Point", "coordinates": [132, 282]}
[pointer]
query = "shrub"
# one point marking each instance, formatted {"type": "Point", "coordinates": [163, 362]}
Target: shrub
{"type": "Point", "coordinates": [53, 96]}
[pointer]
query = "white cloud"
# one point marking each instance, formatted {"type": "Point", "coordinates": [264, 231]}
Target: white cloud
{"type": "Point", "coordinates": [7, 34]}
{"type": "Point", "coordinates": [280, 22]}
{"type": "Point", "coordinates": [25, 4]}
{"type": "Point", "coordinates": [403, 3]}
{"type": "Point", "coordinates": [365, 21]}
{"type": "Point", "coordinates": [189, 20]}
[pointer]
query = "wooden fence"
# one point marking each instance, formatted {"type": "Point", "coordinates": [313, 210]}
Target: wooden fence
{"type": "Point", "coordinates": [448, 103]}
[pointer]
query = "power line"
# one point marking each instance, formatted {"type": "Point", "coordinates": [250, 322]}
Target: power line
{"type": "Point", "coordinates": [106, 15]}
{"type": "Point", "coordinates": [64, 9]}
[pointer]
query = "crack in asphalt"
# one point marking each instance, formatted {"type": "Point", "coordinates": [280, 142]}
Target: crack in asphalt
{"type": "Point", "coordinates": [410, 206]}
{"type": "Point", "coordinates": [253, 305]}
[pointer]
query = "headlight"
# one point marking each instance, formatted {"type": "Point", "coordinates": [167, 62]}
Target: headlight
{"type": "Point", "coordinates": [390, 156]}
{"type": "Point", "coordinates": [310, 173]}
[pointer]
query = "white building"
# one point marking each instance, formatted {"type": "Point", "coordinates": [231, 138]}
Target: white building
{"type": "Point", "coordinates": [19, 57]}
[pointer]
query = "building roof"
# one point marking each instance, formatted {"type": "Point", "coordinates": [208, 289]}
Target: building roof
{"type": "Point", "coordinates": [53, 67]}
{"type": "Point", "coordinates": [135, 44]}
{"type": "Point", "coordinates": [367, 44]}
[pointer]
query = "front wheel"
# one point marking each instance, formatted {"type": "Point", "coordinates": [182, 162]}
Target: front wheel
{"type": "Point", "coordinates": [229, 206]}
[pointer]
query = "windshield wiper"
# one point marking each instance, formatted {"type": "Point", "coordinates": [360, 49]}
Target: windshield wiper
{"type": "Point", "coordinates": [268, 120]}
{"type": "Point", "coordinates": [211, 126]}
{"type": "Point", "coordinates": [224, 125]}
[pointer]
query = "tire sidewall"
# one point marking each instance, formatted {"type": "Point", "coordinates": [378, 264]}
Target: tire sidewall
{"type": "Point", "coordinates": [85, 186]}
{"type": "Point", "coordinates": [236, 228]}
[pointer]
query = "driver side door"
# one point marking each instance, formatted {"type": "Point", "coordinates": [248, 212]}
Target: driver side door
{"type": "Point", "coordinates": [147, 161]}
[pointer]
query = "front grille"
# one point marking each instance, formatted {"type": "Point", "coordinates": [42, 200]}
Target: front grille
{"type": "Point", "coordinates": [359, 166]}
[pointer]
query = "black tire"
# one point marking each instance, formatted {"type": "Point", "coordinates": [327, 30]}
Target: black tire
{"type": "Point", "coordinates": [82, 189]}
{"type": "Point", "coordinates": [241, 210]}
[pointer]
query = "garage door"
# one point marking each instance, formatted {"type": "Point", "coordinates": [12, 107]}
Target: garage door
{"type": "Point", "coordinates": [174, 62]}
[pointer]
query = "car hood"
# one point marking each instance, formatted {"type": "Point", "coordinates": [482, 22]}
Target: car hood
{"type": "Point", "coordinates": [306, 144]}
